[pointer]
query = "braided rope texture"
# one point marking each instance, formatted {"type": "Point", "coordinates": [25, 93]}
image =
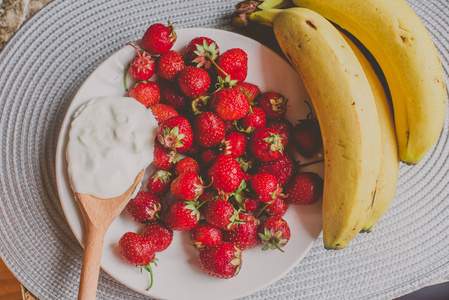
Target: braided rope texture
{"type": "Point", "coordinates": [48, 59]}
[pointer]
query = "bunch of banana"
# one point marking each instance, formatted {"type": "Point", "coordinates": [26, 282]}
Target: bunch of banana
{"type": "Point", "coordinates": [360, 138]}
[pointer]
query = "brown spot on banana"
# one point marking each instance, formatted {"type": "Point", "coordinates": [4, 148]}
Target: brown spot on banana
{"type": "Point", "coordinates": [311, 24]}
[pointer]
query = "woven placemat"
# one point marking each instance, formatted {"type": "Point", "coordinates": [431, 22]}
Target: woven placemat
{"type": "Point", "coordinates": [48, 59]}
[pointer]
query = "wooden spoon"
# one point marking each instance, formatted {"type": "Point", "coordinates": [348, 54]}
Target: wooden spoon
{"type": "Point", "coordinates": [98, 214]}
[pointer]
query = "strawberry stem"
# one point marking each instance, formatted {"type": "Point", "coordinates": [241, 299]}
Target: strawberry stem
{"type": "Point", "coordinates": [148, 268]}
{"type": "Point", "coordinates": [125, 73]}
{"type": "Point", "coordinates": [262, 209]}
{"type": "Point", "coordinates": [137, 50]}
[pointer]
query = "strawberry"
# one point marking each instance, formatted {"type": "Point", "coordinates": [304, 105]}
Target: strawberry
{"type": "Point", "coordinates": [245, 234]}
{"type": "Point", "coordinates": [230, 127]}
{"type": "Point", "coordinates": [277, 207]}
{"type": "Point", "coordinates": [246, 163]}
{"type": "Point", "coordinates": [208, 156]}
{"type": "Point", "coordinates": [304, 188]}
{"type": "Point", "coordinates": [159, 38]}
{"type": "Point", "coordinates": [233, 62]}
{"type": "Point", "coordinates": [282, 168]}
{"type": "Point", "coordinates": [206, 196]}
{"type": "Point", "coordinates": [247, 176]}
{"type": "Point", "coordinates": [205, 235]}
{"type": "Point", "coordinates": [273, 104]}
{"type": "Point", "coordinates": [229, 104]}
{"type": "Point", "coordinates": [253, 120]}
{"type": "Point", "coordinates": [160, 235]}
{"type": "Point", "coordinates": [209, 130]}
{"type": "Point", "coordinates": [234, 144]}
{"type": "Point", "coordinates": [251, 204]}
{"type": "Point", "coordinates": [163, 112]}
{"type": "Point", "coordinates": [169, 65]}
{"type": "Point", "coordinates": [175, 134]}
{"type": "Point", "coordinates": [307, 137]}
{"type": "Point", "coordinates": [186, 165]}
{"type": "Point", "coordinates": [164, 158]}
{"type": "Point", "coordinates": [187, 186]}
{"type": "Point", "coordinates": [193, 81]}
{"type": "Point", "coordinates": [181, 215]}
{"type": "Point", "coordinates": [144, 207]}
{"type": "Point", "coordinates": [159, 183]}
{"type": "Point", "coordinates": [138, 250]}
{"type": "Point", "coordinates": [146, 92]}
{"type": "Point", "coordinates": [222, 260]}
{"type": "Point", "coordinates": [266, 144]}
{"type": "Point", "coordinates": [266, 186]}
{"type": "Point", "coordinates": [225, 174]}
{"type": "Point", "coordinates": [249, 89]}
{"type": "Point", "coordinates": [221, 213]}
{"type": "Point", "coordinates": [171, 96]}
{"type": "Point", "coordinates": [201, 50]}
{"type": "Point", "coordinates": [284, 127]}
{"type": "Point", "coordinates": [142, 66]}
{"type": "Point", "coordinates": [194, 149]}
{"type": "Point", "coordinates": [274, 233]}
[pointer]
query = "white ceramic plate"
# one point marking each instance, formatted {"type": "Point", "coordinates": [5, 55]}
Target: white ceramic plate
{"type": "Point", "coordinates": [178, 275]}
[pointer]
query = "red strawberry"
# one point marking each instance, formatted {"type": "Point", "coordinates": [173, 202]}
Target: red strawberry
{"type": "Point", "coordinates": [282, 168]}
{"type": "Point", "coordinates": [201, 50]}
{"type": "Point", "coordinates": [284, 127]}
{"type": "Point", "coordinates": [222, 260]}
{"type": "Point", "coordinates": [245, 234]}
{"type": "Point", "coordinates": [164, 158]}
{"type": "Point", "coordinates": [273, 104]}
{"type": "Point", "coordinates": [266, 186]}
{"type": "Point", "coordinates": [253, 120]}
{"type": "Point", "coordinates": [205, 235]}
{"type": "Point", "coordinates": [221, 213]}
{"type": "Point", "coordinates": [249, 89]}
{"type": "Point", "coordinates": [146, 92]}
{"type": "Point", "coordinates": [209, 130]}
{"type": "Point", "coordinates": [274, 233]}
{"type": "Point", "coordinates": [160, 235]}
{"type": "Point", "coordinates": [277, 207]}
{"type": "Point", "coordinates": [194, 149]}
{"type": "Point", "coordinates": [187, 186]}
{"type": "Point", "coordinates": [171, 96]}
{"type": "Point", "coordinates": [163, 112]}
{"type": "Point", "coordinates": [193, 81]}
{"type": "Point", "coordinates": [186, 165]}
{"type": "Point", "coordinates": [235, 144]}
{"type": "Point", "coordinates": [251, 204]}
{"type": "Point", "coordinates": [233, 62]}
{"type": "Point", "coordinates": [175, 133]}
{"type": "Point", "coordinates": [137, 250]}
{"type": "Point", "coordinates": [205, 197]}
{"type": "Point", "coordinates": [229, 104]}
{"type": "Point", "coordinates": [225, 174]}
{"type": "Point", "coordinates": [304, 188]}
{"type": "Point", "coordinates": [159, 183]}
{"type": "Point", "coordinates": [169, 65]}
{"type": "Point", "coordinates": [208, 156]}
{"type": "Point", "coordinates": [142, 66]}
{"type": "Point", "coordinates": [307, 137]}
{"type": "Point", "coordinates": [230, 127]}
{"type": "Point", "coordinates": [159, 38]}
{"type": "Point", "coordinates": [144, 207]}
{"type": "Point", "coordinates": [182, 215]}
{"type": "Point", "coordinates": [246, 176]}
{"type": "Point", "coordinates": [266, 144]}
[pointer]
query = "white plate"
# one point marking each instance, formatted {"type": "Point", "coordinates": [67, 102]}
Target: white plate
{"type": "Point", "coordinates": [178, 275]}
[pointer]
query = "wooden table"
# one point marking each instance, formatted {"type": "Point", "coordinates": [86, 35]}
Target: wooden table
{"type": "Point", "coordinates": [10, 288]}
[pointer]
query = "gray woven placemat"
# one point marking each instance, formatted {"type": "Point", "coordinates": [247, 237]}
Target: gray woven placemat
{"type": "Point", "coordinates": [42, 67]}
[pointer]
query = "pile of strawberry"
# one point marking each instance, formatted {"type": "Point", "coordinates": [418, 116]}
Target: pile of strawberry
{"type": "Point", "coordinates": [220, 151]}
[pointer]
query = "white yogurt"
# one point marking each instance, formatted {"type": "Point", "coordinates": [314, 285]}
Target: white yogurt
{"type": "Point", "coordinates": [111, 140]}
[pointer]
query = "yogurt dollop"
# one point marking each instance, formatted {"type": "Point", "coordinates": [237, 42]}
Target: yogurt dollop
{"type": "Point", "coordinates": [111, 140]}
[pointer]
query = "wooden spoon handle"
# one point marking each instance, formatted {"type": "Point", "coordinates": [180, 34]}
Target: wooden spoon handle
{"type": "Point", "coordinates": [91, 263]}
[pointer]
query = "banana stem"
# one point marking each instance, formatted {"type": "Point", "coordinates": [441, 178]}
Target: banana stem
{"type": "Point", "coordinates": [264, 17]}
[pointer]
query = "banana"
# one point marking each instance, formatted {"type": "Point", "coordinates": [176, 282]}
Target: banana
{"type": "Point", "coordinates": [346, 112]}
{"type": "Point", "coordinates": [399, 42]}
{"type": "Point", "coordinates": [389, 166]}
